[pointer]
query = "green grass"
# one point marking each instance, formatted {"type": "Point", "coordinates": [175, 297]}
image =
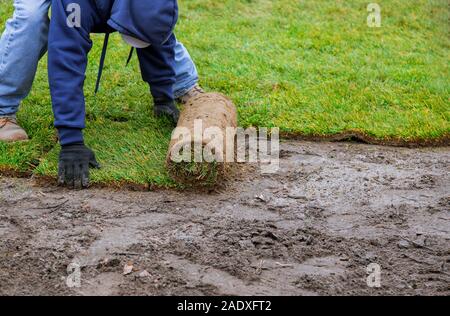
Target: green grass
{"type": "Point", "coordinates": [308, 67]}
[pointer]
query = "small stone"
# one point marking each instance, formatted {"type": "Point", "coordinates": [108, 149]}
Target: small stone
{"type": "Point", "coordinates": [261, 198]}
{"type": "Point", "coordinates": [128, 268]}
{"type": "Point", "coordinates": [403, 244]}
{"type": "Point", "coordinates": [420, 242]}
{"type": "Point", "coordinates": [370, 256]}
{"type": "Point", "coordinates": [144, 274]}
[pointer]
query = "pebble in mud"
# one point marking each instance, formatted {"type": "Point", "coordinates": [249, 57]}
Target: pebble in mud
{"type": "Point", "coordinates": [404, 244]}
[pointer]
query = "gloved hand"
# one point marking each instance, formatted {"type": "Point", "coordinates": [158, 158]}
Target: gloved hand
{"type": "Point", "coordinates": [73, 167]}
{"type": "Point", "coordinates": [167, 108]}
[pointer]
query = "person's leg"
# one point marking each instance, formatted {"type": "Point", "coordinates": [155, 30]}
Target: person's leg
{"type": "Point", "coordinates": [68, 51]}
{"type": "Point", "coordinates": [157, 64]}
{"type": "Point", "coordinates": [22, 44]}
{"type": "Point", "coordinates": [186, 72]}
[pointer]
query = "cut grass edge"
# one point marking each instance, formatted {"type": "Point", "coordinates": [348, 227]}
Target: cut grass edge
{"type": "Point", "coordinates": [347, 136]}
{"type": "Point", "coordinates": [362, 137]}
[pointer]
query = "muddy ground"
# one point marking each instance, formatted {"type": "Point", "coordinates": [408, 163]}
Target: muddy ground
{"type": "Point", "coordinates": [312, 228]}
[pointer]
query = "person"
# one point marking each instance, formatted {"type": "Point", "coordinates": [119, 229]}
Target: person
{"type": "Point", "coordinates": [24, 42]}
{"type": "Point", "coordinates": [146, 25]}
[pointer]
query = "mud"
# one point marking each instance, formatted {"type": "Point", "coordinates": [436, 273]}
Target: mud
{"type": "Point", "coordinates": [311, 229]}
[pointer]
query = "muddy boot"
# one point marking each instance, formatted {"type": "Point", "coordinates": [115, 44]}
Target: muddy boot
{"type": "Point", "coordinates": [195, 91]}
{"type": "Point", "coordinates": [10, 131]}
{"type": "Point", "coordinates": [167, 109]}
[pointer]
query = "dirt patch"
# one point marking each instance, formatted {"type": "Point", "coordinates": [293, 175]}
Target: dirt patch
{"type": "Point", "coordinates": [312, 228]}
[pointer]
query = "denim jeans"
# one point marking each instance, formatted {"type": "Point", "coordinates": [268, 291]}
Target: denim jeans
{"type": "Point", "coordinates": [24, 42]}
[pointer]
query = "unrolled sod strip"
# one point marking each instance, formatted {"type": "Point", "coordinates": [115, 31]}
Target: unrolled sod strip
{"type": "Point", "coordinates": [208, 121]}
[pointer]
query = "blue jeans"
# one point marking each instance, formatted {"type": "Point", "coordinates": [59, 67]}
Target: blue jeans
{"type": "Point", "coordinates": [24, 42]}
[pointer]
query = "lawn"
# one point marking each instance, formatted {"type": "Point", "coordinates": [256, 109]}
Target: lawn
{"type": "Point", "coordinates": [311, 68]}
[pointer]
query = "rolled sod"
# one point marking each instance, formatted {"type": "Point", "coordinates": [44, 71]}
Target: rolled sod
{"type": "Point", "coordinates": [202, 146]}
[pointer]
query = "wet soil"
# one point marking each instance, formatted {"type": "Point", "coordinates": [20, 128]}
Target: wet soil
{"type": "Point", "coordinates": [312, 228]}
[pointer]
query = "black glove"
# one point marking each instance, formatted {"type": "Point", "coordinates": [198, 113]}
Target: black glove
{"type": "Point", "coordinates": [167, 108]}
{"type": "Point", "coordinates": [73, 167]}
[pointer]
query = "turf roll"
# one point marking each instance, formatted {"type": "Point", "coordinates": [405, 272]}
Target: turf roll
{"type": "Point", "coordinates": [202, 147]}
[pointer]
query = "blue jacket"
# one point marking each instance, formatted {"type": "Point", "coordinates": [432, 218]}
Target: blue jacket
{"type": "Point", "coordinates": [151, 21]}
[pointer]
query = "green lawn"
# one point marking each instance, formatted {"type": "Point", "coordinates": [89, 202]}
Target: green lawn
{"type": "Point", "coordinates": [308, 67]}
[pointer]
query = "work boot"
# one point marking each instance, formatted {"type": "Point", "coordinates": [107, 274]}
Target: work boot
{"type": "Point", "coordinates": [169, 110]}
{"type": "Point", "coordinates": [10, 131]}
{"type": "Point", "coordinates": [195, 91]}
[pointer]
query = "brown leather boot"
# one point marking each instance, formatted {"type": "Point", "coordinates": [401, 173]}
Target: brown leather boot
{"type": "Point", "coordinates": [10, 131]}
{"type": "Point", "coordinates": [195, 91]}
